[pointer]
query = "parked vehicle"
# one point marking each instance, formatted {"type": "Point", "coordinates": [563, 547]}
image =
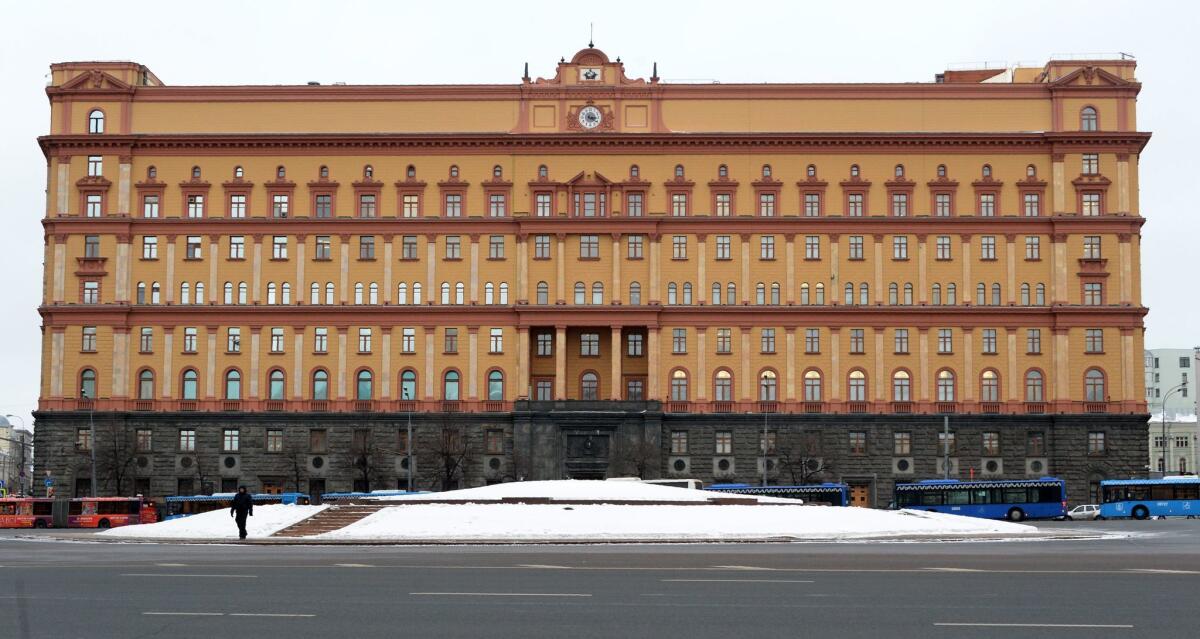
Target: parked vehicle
{"type": "Point", "coordinates": [1011, 499]}
{"type": "Point", "coordinates": [1172, 496]}
{"type": "Point", "coordinates": [1083, 511]}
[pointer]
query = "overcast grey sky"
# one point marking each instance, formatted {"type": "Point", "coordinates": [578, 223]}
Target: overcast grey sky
{"type": "Point", "coordinates": [217, 42]}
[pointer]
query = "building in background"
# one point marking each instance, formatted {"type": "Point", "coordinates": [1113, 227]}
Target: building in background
{"type": "Point", "coordinates": [1179, 433]}
{"type": "Point", "coordinates": [1171, 381]}
{"type": "Point", "coordinates": [591, 275]}
{"type": "Point", "coordinates": [16, 458]}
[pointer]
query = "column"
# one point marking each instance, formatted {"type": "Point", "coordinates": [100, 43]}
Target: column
{"type": "Point", "coordinates": [255, 340]}
{"type": "Point", "coordinates": [835, 266]}
{"type": "Point", "coordinates": [472, 363]}
{"type": "Point", "coordinates": [745, 237]}
{"type": "Point", "coordinates": [878, 269]}
{"type": "Point", "coordinates": [617, 297]}
{"type": "Point", "coordinates": [790, 368]}
{"type": "Point", "coordinates": [123, 273]}
{"type": "Point", "coordinates": [215, 291]}
{"type": "Point", "coordinates": [341, 365]}
{"type": "Point", "coordinates": [1058, 267]}
{"type": "Point", "coordinates": [60, 267]}
{"type": "Point", "coordinates": [1015, 377]}
{"type": "Point", "coordinates": [1059, 185]}
{"type": "Point", "coordinates": [617, 353]}
{"type": "Point", "coordinates": [560, 362]}
{"type": "Point", "coordinates": [1125, 267]}
{"type": "Point", "coordinates": [880, 379]}
{"type": "Point", "coordinates": [654, 270]}
{"type": "Point", "coordinates": [431, 288]}
{"type": "Point", "coordinates": [1128, 388]}
{"type": "Point", "coordinates": [210, 370]}
{"type": "Point", "coordinates": [299, 290]}
{"type": "Point", "coordinates": [789, 256]}
{"type": "Point", "coordinates": [475, 269]}
{"type": "Point", "coordinates": [388, 291]}
{"type": "Point", "coordinates": [750, 381]}
{"type": "Point", "coordinates": [167, 371]}
{"type": "Point", "coordinates": [256, 272]}
{"type": "Point", "coordinates": [344, 282]}
{"type": "Point", "coordinates": [57, 342]}
{"type": "Point", "coordinates": [967, 290]}
{"type": "Point", "coordinates": [702, 376]}
{"type": "Point", "coordinates": [522, 292]}
{"type": "Point", "coordinates": [523, 362]}
{"type": "Point", "coordinates": [1123, 185]}
{"type": "Point", "coordinates": [922, 269]}
{"type": "Point", "coordinates": [701, 267]}
{"type": "Point", "coordinates": [652, 376]}
{"type": "Point", "coordinates": [560, 264]}
{"type": "Point", "coordinates": [967, 377]}
{"type": "Point", "coordinates": [120, 363]}
{"type": "Point", "coordinates": [385, 375]}
{"type": "Point", "coordinates": [1059, 355]}
{"type": "Point", "coordinates": [169, 294]}
{"type": "Point", "coordinates": [922, 381]}
{"type": "Point", "coordinates": [124, 172]}
{"type": "Point", "coordinates": [64, 185]}
{"type": "Point", "coordinates": [834, 381]}
{"type": "Point", "coordinates": [428, 372]}
{"type": "Point", "coordinates": [298, 375]}
{"type": "Point", "coordinates": [1010, 250]}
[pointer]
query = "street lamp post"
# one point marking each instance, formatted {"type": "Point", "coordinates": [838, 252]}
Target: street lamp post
{"type": "Point", "coordinates": [1165, 446]}
{"type": "Point", "coordinates": [408, 443]}
{"type": "Point", "coordinates": [766, 449]}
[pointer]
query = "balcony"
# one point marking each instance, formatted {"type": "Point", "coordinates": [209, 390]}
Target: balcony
{"type": "Point", "coordinates": [274, 405]}
{"type": "Point", "coordinates": [494, 406]}
{"type": "Point", "coordinates": [364, 405]}
{"type": "Point", "coordinates": [1035, 408]}
{"type": "Point", "coordinates": [722, 407]}
{"type": "Point", "coordinates": [901, 408]}
{"type": "Point", "coordinates": [187, 405]}
{"type": "Point", "coordinates": [85, 404]}
{"type": "Point", "coordinates": [231, 405]}
{"type": "Point", "coordinates": [989, 408]}
{"type": "Point", "coordinates": [946, 407]}
{"type": "Point", "coordinates": [451, 406]}
{"type": "Point", "coordinates": [814, 407]}
{"type": "Point", "coordinates": [406, 406]}
{"type": "Point", "coordinates": [768, 407]}
{"type": "Point", "coordinates": [143, 404]}
{"type": "Point", "coordinates": [318, 405]}
{"type": "Point", "coordinates": [678, 407]}
{"type": "Point", "coordinates": [1095, 407]}
{"type": "Point", "coordinates": [858, 408]}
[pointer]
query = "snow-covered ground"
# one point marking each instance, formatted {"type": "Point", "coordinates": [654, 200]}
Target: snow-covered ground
{"type": "Point", "coordinates": [217, 524]}
{"type": "Point", "coordinates": [577, 490]}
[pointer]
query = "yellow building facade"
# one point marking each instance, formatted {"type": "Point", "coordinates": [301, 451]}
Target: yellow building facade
{"type": "Point", "coordinates": [845, 260]}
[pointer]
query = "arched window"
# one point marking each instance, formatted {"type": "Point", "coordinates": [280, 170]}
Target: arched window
{"type": "Point", "coordinates": [402, 293]}
{"type": "Point", "coordinates": [857, 386]}
{"type": "Point", "coordinates": [320, 385]}
{"type": "Point", "coordinates": [358, 292]}
{"type": "Point", "coordinates": [1093, 385]}
{"type": "Point", "coordinates": [811, 171]}
{"type": "Point", "coordinates": [1087, 119]}
{"type": "Point", "coordinates": [285, 293]}
{"type": "Point", "coordinates": [445, 292]}
{"type": "Point", "coordinates": [410, 172]}
{"type": "Point", "coordinates": [322, 173]}
{"type": "Point", "coordinates": [372, 293]}
{"type": "Point", "coordinates": [864, 294]}
{"type": "Point", "coordinates": [901, 387]}
{"type": "Point", "coordinates": [458, 292]}
{"type": "Point", "coordinates": [275, 385]}
{"type": "Point", "coordinates": [450, 386]}
{"type": "Point", "coordinates": [145, 384]}
{"type": "Point", "coordinates": [812, 386]}
{"type": "Point", "coordinates": [368, 172]}
{"type": "Point", "coordinates": [1039, 296]}
{"type": "Point", "coordinates": [497, 172]}
{"type": "Point", "coordinates": [635, 293]}
{"type": "Point", "coordinates": [543, 172]}
{"type": "Point", "coordinates": [908, 293]}
{"type": "Point", "coordinates": [854, 171]}
{"type": "Point", "coordinates": [945, 386]}
{"type": "Point", "coordinates": [672, 293]}
{"type": "Point", "coordinates": [191, 380]}
{"type": "Point", "coordinates": [200, 292]}
{"type": "Point", "coordinates": [416, 299]}
{"type": "Point", "coordinates": [228, 292]}
{"type": "Point", "coordinates": [760, 293]}
{"type": "Point", "coordinates": [151, 172]}
{"type": "Point", "coordinates": [329, 292]}
{"type": "Point", "coordinates": [767, 385]}
{"type": "Point", "coordinates": [580, 294]}
{"type": "Point", "coordinates": [454, 171]}
{"type": "Point", "coordinates": [899, 170]}
{"type": "Point", "coordinates": [804, 293]}
{"type": "Point", "coordinates": [1031, 171]}
{"type": "Point", "coordinates": [951, 291]}
{"type": "Point", "coordinates": [893, 294]}
{"type": "Point", "coordinates": [489, 293]}
{"type": "Point", "coordinates": [818, 296]}
{"type": "Point", "coordinates": [233, 385]}
{"type": "Point", "coordinates": [679, 386]}
{"type": "Point", "coordinates": [1025, 299]}
{"type": "Point", "coordinates": [989, 386]}
{"type": "Point", "coordinates": [503, 293]}
{"type": "Point", "coordinates": [408, 385]}
{"type": "Point", "coordinates": [155, 293]}
{"type": "Point", "coordinates": [270, 292]}
{"type": "Point", "coordinates": [589, 386]}
{"type": "Point", "coordinates": [634, 171]}
{"type": "Point", "coordinates": [1034, 386]}
{"type": "Point", "coordinates": [543, 293]}
{"type": "Point", "coordinates": [849, 294]}
{"type": "Point", "coordinates": [936, 295]}
{"type": "Point", "coordinates": [716, 293]}
{"type": "Point", "coordinates": [723, 386]}
{"type": "Point", "coordinates": [363, 386]}
{"type": "Point", "coordinates": [238, 172]}
{"type": "Point", "coordinates": [941, 170]}
{"type": "Point", "coordinates": [722, 171]}
{"type": "Point", "coordinates": [96, 121]}
{"type": "Point", "coordinates": [495, 386]}
{"type": "Point", "coordinates": [195, 173]}
{"type": "Point", "coordinates": [679, 171]}
{"type": "Point", "coordinates": [185, 293]}
{"type": "Point", "coordinates": [597, 293]}
{"type": "Point", "coordinates": [281, 172]}
{"type": "Point", "coordinates": [996, 294]}
{"type": "Point", "coordinates": [987, 171]}
{"type": "Point", "coordinates": [687, 293]}
{"type": "Point", "coordinates": [766, 170]}
{"type": "Point", "coordinates": [730, 293]}
{"type": "Point", "coordinates": [981, 294]}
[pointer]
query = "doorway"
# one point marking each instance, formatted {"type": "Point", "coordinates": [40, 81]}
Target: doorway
{"type": "Point", "coordinates": [860, 495]}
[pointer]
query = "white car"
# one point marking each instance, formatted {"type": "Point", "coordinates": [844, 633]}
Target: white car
{"type": "Point", "coordinates": [1084, 511]}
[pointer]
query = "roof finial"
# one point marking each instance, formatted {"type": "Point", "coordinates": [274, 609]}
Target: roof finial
{"type": "Point", "coordinates": [591, 35]}
{"type": "Point", "coordinates": [654, 74]}
{"type": "Point", "coordinates": [526, 76]}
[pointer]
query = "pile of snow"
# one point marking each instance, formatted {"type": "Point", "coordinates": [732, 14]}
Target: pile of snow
{"type": "Point", "coordinates": [217, 524]}
{"type": "Point", "coordinates": [578, 490]}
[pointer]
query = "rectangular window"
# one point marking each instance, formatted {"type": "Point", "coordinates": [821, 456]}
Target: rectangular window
{"type": "Point", "coordinates": [900, 341]}
{"type": "Point", "coordinates": [496, 247]}
{"type": "Point", "coordinates": [323, 250]}
{"type": "Point", "coordinates": [987, 204]}
{"type": "Point", "coordinates": [324, 204]}
{"type": "Point", "coordinates": [541, 247]}
{"type": "Point", "coordinates": [1033, 341]}
{"type": "Point", "coordinates": [366, 205]}
{"type": "Point", "coordinates": [589, 247]}
{"type": "Point", "coordinates": [900, 247]}
{"type": "Point", "coordinates": [766, 247]}
{"type": "Point", "coordinates": [1035, 444]}
{"type": "Point", "coordinates": [1094, 340]}
{"type": "Point", "coordinates": [318, 440]}
{"type": "Point", "coordinates": [901, 444]}
{"type": "Point", "coordinates": [497, 205]}
{"type": "Point", "coordinates": [230, 440]}
{"type": "Point", "coordinates": [989, 341]}
{"type": "Point", "coordinates": [812, 340]}
{"type": "Point", "coordinates": [237, 206]}
{"type": "Point", "coordinates": [195, 206]}
{"type": "Point", "coordinates": [544, 390]}
{"type": "Point", "coordinates": [723, 443]}
{"type": "Point", "coordinates": [237, 247]}
{"type": "Point", "coordinates": [150, 247]}
{"type": "Point", "coordinates": [279, 246]}
{"type": "Point", "coordinates": [95, 166]}
{"type": "Point", "coordinates": [724, 205]}
{"type": "Point", "coordinates": [679, 340]}
{"type": "Point", "coordinates": [812, 247]}
{"type": "Point", "coordinates": [274, 440]}
{"type": "Point", "coordinates": [450, 341]}
{"type": "Point", "coordinates": [91, 292]}
{"type": "Point", "coordinates": [987, 247]}
{"type": "Point", "coordinates": [944, 250]}
{"type": "Point", "coordinates": [496, 340]}
{"type": "Point", "coordinates": [766, 205]}
{"type": "Point", "coordinates": [544, 204]}
{"type": "Point", "coordinates": [941, 205]}
{"type": "Point", "coordinates": [277, 340]}
{"type": "Point", "coordinates": [364, 340]}
{"type": "Point", "coordinates": [1033, 247]}
{"type": "Point", "coordinates": [723, 248]}
{"type": "Point", "coordinates": [1093, 294]}
{"type": "Point", "coordinates": [408, 340]}
{"type": "Point", "coordinates": [454, 205]}
{"type": "Point", "coordinates": [1090, 164]}
{"type": "Point", "coordinates": [145, 438]}
{"type": "Point", "coordinates": [83, 439]}
{"type": "Point", "coordinates": [88, 340]}
{"type": "Point", "coordinates": [545, 345]}
{"type": "Point", "coordinates": [635, 345]}
{"type": "Point", "coordinates": [146, 343]}
{"type": "Point", "coordinates": [858, 443]}
{"type": "Point", "coordinates": [634, 205]}
{"type": "Point", "coordinates": [1096, 443]}
{"type": "Point", "coordinates": [679, 247]}
{"type": "Point", "coordinates": [1091, 204]}
{"type": "Point", "coordinates": [812, 204]}
{"type": "Point", "coordinates": [899, 205]}
{"type": "Point", "coordinates": [1092, 247]}
{"type": "Point", "coordinates": [150, 206]}
{"type": "Point", "coordinates": [679, 442]}
{"type": "Point", "coordinates": [321, 340]}
{"type": "Point", "coordinates": [366, 247]}
{"type": "Point", "coordinates": [589, 344]}
{"type": "Point", "coordinates": [279, 205]}
{"type": "Point", "coordinates": [679, 204]}
{"type": "Point", "coordinates": [410, 205]}
{"type": "Point", "coordinates": [453, 247]}
{"type": "Point", "coordinates": [408, 248]}
{"type": "Point", "coordinates": [947, 443]}
{"type": "Point", "coordinates": [857, 341]}
{"type": "Point", "coordinates": [94, 203]}
{"type": "Point", "coordinates": [1033, 205]}
{"type": "Point", "coordinates": [634, 247]}
{"type": "Point", "coordinates": [189, 339]}
{"type": "Point", "coordinates": [854, 205]}
{"type": "Point", "coordinates": [724, 341]}
{"type": "Point", "coordinates": [494, 442]}
{"type": "Point", "coordinates": [991, 444]}
{"type": "Point", "coordinates": [945, 340]}
{"type": "Point", "coordinates": [856, 247]}
{"type": "Point", "coordinates": [233, 340]}
{"type": "Point", "coordinates": [767, 340]}
{"type": "Point", "coordinates": [192, 250]}
{"type": "Point", "coordinates": [187, 440]}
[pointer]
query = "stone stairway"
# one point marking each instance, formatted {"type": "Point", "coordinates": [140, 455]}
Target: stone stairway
{"type": "Point", "coordinates": [332, 518]}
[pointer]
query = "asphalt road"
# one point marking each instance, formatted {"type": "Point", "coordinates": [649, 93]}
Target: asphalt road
{"type": "Point", "coordinates": [1140, 586]}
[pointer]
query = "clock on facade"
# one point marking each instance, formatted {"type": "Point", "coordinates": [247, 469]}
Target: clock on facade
{"type": "Point", "coordinates": [590, 117]}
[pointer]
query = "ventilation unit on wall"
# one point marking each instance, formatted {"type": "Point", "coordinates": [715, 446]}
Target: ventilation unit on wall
{"type": "Point", "coordinates": [493, 465]}
{"type": "Point", "coordinates": [991, 467]}
{"type": "Point", "coordinates": [402, 464]}
{"type": "Point", "coordinates": [317, 464]}
{"type": "Point", "coordinates": [1037, 467]}
{"type": "Point", "coordinates": [185, 464]}
{"type": "Point", "coordinates": [902, 466]}
{"type": "Point", "coordinates": [941, 466]}
{"type": "Point", "coordinates": [723, 467]}
{"type": "Point", "coordinates": [679, 466]}
{"type": "Point", "coordinates": [229, 465]}
{"type": "Point", "coordinates": [772, 465]}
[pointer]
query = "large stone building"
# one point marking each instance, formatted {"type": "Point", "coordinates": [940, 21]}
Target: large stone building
{"type": "Point", "coordinates": [591, 275]}
{"type": "Point", "coordinates": [1170, 382]}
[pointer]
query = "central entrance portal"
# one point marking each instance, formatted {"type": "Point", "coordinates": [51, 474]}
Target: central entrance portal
{"type": "Point", "coordinates": [586, 456]}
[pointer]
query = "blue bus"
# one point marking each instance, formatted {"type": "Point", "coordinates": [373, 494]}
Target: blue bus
{"type": "Point", "coordinates": [178, 506]}
{"type": "Point", "coordinates": [1177, 496]}
{"type": "Point", "coordinates": [344, 497]}
{"type": "Point", "coordinates": [1011, 499]}
{"type": "Point", "coordinates": [827, 494]}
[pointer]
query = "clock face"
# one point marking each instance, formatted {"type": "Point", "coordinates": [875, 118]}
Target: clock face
{"type": "Point", "coordinates": [590, 117]}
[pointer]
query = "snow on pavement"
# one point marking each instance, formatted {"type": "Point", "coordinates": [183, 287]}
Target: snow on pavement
{"type": "Point", "coordinates": [578, 490]}
{"type": "Point", "coordinates": [217, 524]}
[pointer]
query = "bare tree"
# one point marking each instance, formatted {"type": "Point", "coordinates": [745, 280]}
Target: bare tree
{"type": "Point", "coordinates": [202, 473]}
{"type": "Point", "coordinates": [366, 457]}
{"type": "Point", "coordinates": [448, 453]}
{"type": "Point", "coordinates": [116, 455]}
{"type": "Point", "coordinates": [799, 458]}
{"type": "Point", "coordinates": [639, 458]}
{"type": "Point", "coordinates": [297, 461]}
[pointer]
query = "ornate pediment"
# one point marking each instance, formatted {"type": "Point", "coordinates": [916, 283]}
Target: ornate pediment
{"type": "Point", "coordinates": [95, 80]}
{"type": "Point", "coordinates": [1091, 76]}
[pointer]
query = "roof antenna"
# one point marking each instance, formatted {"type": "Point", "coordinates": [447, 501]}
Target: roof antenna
{"type": "Point", "coordinates": [591, 35]}
{"type": "Point", "coordinates": [526, 76]}
{"type": "Point", "coordinates": [654, 74]}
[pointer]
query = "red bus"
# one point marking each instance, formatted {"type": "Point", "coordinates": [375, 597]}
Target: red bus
{"type": "Point", "coordinates": [107, 512]}
{"type": "Point", "coordinates": [26, 512]}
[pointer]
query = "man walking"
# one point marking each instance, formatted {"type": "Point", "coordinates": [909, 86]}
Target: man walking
{"type": "Point", "coordinates": [242, 506]}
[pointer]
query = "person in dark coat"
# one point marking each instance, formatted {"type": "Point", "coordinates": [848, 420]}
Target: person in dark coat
{"type": "Point", "coordinates": [242, 506]}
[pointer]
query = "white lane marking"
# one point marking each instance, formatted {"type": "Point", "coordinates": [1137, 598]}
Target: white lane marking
{"type": "Point", "coordinates": [1036, 625]}
{"type": "Point", "coordinates": [955, 570]}
{"type": "Point", "coordinates": [268, 614]}
{"type": "Point", "coordinates": [171, 565]}
{"type": "Point", "coordinates": [163, 574]}
{"type": "Point", "coordinates": [740, 581]}
{"type": "Point", "coordinates": [230, 614]}
{"type": "Point", "coordinates": [743, 568]}
{"type": "Point", "coordinates": [1163, 571]}
{"type": "Point", "coordinates": [500, 594]}
{"type": "Point", "coordinates": [354, 565]}
{"type": "Point", "coordinates": [547, 566]}
{"type": "Point", "coordinates": [185, 614]}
